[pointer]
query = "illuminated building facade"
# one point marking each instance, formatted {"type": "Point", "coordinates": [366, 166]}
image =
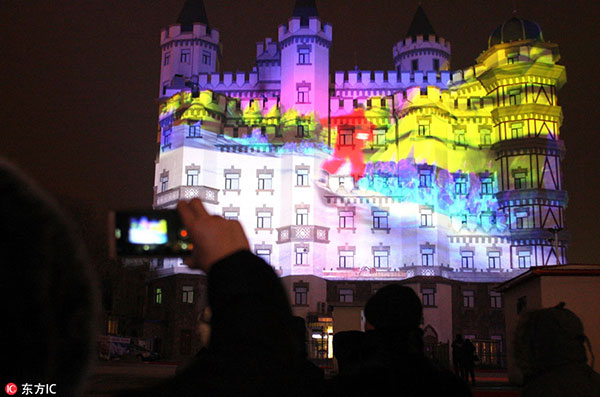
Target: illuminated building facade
{"type": "Point", "coordinates": [368, 175]}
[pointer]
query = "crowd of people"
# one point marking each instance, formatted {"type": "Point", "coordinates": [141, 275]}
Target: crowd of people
{"type": "Point", "coordinates": [256, 346]}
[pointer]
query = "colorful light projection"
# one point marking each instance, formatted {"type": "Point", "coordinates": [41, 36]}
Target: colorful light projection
{"type": "Point", "coordinates": [419, 158]}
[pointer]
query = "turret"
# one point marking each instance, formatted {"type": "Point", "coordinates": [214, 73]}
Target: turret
{"type": "Point", "coordinates": [523, 77]}
{"type": "Point", "coordinates": [422, 49]}
{"type": "Point", "coordinates": [304, 44]}
{"type": "Point", "coordinates": [188, 47]}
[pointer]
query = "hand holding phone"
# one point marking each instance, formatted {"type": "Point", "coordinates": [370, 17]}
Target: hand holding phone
{"type": "Point", "coordinates": [214, 238]}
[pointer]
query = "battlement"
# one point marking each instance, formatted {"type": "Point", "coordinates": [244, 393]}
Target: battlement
{"type": "Point", "coordinates": [367, 79]}
{"type": "Point", "coordinates": [267, 50]}
{"type": "Point", "coordinates": [420, 42]}
{"type": "Point", "coordinates": [199, 31]}
{"type": "Point", "coordinates": [314, 28]}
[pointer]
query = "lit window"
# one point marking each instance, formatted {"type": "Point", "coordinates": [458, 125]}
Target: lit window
{"type": "Point", "coordinates": [485, 137]}
{"type": "Point", "coordinates": [514, 97]}
{"type": "Point", "coordinates": [264, 254]}
{"type": "Point", "coordinates": [466, 259]}
{"type": "Point", "coordinates": [424, 178]}
{"type": "Point", "coordinates": [346, 259]}
{"type": "Point", "coordinates": [192, 177]}
{"type": "Point", "coordinates": [263, 220]}
{"type": "Point", "coordinates": [231, 215]}
{"type": "Point", "coordinates": [468, 298]}
{"type": "Point", "coordinates": [381, 258]}
{"type": "Point", "coordinates": [487, 186]}
{"type": "Point", "coordinates": [428, 297]}
{"type": "Point", "coordinates": [516, 130]}
{"type": "Point", "coordinates": [166, 138]}
{"type": "Point", "coordinates": [524, 259]}
{"type": "Point", "coordinates": [522, 218]}
{"type": "Point", "coordinates": [164, 183]}
{"type": "Point", "coordinates": [302, 216]}
{"type": "Point", "coordinates": [301, 256]}
{"type": "Point", "coordinates": [426, 217]}
{"type": "Point", "coordinates": [423, 129]}
{"type": "Point", "coordinates": [188, 294]}
{"type": "Point", "coordinates": [303, 55]}
{"type": "Point", "coordinates": [167, 58]}
{"type": "Point", "coordinates": [460, 185]}
{"type": "Point", "coordinates": [346, 138]}
{"type": "Point", "coordinates": [495, 300]}
{"type": "Point", "coordinates": [346, 295]}
{"type": "Point", "coordinates": [488, 219]}
{"type": "Point", "coordinates": [380, 220]}
{"type": "Point", "coordinates": [195, 131]}
{"type": "Point", "coordinates": [158, 297]}
{"type": "Point", "coordinates": [300, 131]}
{"type": "Point", "coordinates": [346, 220]}
{"type": "Point", "coordinates": [301, 177]}
{"type": "Point", "coordinates": [184, 57]}
{"type": "Point", "coordinates": [494, 260]}
{"type": "Point", "coordinates": [300, 296]}
{"type": "Point", "coordinates": [379, 137]}
{"type": "Point", "coordinates": [265, 181]}
{"type": "Point", "coordinates": [459, 137]}
{"type": "Point", "coordinates": [512, 58]}
{"type": "Point", "coordinates": [426, 256]}
{"type": "Point", "coordinates": [232, 181]}
{"type": "Point", "coordinates": [303, 94]}
{"type": "Point", "coordinates": [206, 58]}
{"type": "Point", "coordinates": [520, 180]}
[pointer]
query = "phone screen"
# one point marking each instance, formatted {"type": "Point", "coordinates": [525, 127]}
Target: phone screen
{"type": "Point", "coordinates": [157, 233]}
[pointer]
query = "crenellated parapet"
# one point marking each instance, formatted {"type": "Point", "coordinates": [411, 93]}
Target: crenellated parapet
{"type": "Point", "coordinates": [426, 53]}
{"type": "Point", "coordinates": [315, 31]}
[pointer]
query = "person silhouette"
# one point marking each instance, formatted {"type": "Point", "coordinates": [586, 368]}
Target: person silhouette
{"type": "Point", "coordinates": [457, 353]}
{"type": "Point", "coordinates": [550, 351]}
{"type": "Point", "coordinates": [49, 292]}
{"type": "Point", "coordinates": [392, 352]}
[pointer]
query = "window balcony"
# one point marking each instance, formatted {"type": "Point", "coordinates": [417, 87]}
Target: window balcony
{"type": "Point", "coordinates": [295, 233]}
{"type": "Point", "coordinates": [170, 197]}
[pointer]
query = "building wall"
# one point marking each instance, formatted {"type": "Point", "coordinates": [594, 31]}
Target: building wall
{"type": "Point", "coordinates": [578, 293]}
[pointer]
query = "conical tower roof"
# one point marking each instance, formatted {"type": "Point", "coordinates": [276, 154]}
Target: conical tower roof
{"type": "Point", "coordinates": [420, 25]}
{"type": "Point", "coordinates": [193, 11]}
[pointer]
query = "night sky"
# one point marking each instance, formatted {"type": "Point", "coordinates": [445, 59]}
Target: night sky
{"type": "Point", "coordinates": [79, 81]}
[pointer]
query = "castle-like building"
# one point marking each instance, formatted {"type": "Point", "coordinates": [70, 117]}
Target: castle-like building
{"type": "Point", "coordinates": [418, 174]}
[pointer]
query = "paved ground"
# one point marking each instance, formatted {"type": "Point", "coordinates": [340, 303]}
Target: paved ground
{"type": "Point", "coordinates": [111, 376]}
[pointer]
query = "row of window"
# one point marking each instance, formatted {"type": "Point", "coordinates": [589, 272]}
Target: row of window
{"type": "Point", "coordinates": [185, 56]}
{"type": "Point", "coordinates": [428, 297]}
{"type": "Point", "coordinates": [187, 295]}
{"type": "Point", "coordinates": [381, 257]}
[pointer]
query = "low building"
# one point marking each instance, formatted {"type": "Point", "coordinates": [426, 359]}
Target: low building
{"type": "Point", "coordinates": [543, 287]}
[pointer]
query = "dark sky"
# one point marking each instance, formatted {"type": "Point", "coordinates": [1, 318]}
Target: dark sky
{"type": "Point", "coordinates": [79, 81]}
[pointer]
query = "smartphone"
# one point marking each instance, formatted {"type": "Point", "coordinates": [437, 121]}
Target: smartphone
{"type": "Point", "coordinates": [153, 233]}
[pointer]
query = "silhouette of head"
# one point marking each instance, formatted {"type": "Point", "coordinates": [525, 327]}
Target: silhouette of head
{"type": "Point", "coordinates": [394, 307]}
{"type": "Point", "coordinates": [48, 294]}
{"type": "Point", "coordinates": [548, 337]}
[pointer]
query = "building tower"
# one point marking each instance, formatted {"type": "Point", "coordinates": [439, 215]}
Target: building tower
{"type": "Point", "coordinates": [188, 47]}
{"type": "Point", "coordinates": [523, 78]}
{"type": "Point", "coordinates": [304, 43]}
{"type": "Point", "coordinates": [421, 49]}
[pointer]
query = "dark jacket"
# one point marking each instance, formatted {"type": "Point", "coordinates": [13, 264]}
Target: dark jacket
{"type": "Point", "coordinates": [390, 362]}
{"type": "Point", "coordinates": [251, 351]}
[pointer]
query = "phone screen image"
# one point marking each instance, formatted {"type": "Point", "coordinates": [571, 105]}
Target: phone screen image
{"type": "Point", "coordinates": [144, 231]}
{"type": "Point", "coordinates": [151, 233]}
